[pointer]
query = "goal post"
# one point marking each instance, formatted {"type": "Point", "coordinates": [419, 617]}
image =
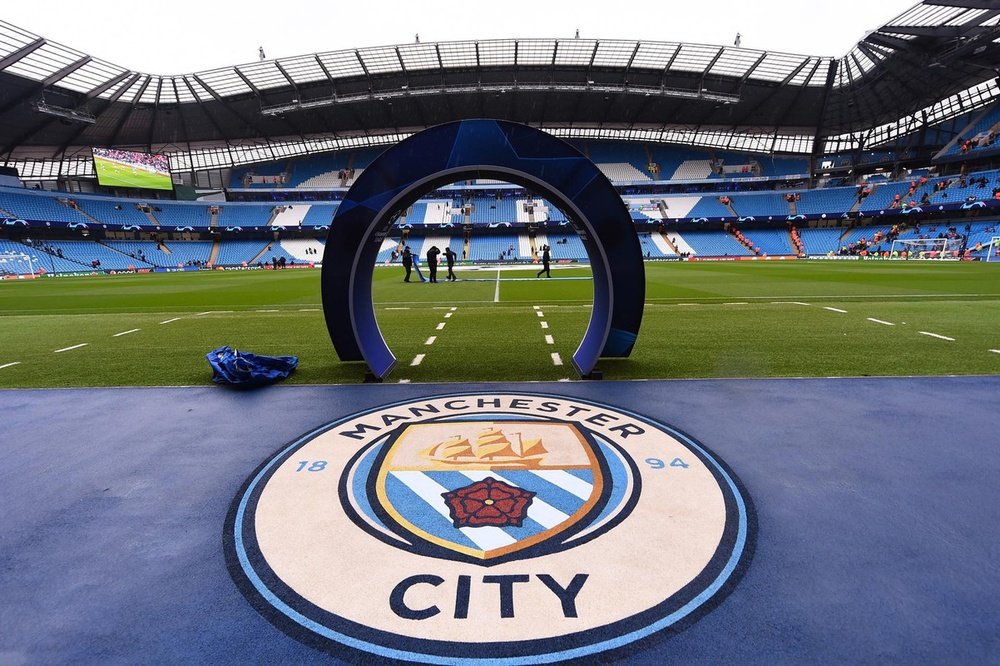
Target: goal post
{"type": "Point", "coordinates": [16, 263]}
{"type": "Point", "coordinates": [993, 249]}
{"type": "Point", "coordinates": [926, 248]}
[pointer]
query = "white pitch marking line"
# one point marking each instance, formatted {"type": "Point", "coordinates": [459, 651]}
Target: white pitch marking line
{"type": "Point", "coordinates": [935, 335]}
{"type": "Point", "coordinates": [537, 307]}
{"type": "Point", "coordinates": [544, 324]}
{"type": "Point", "coordinates": [170, 320]}
{"type": "Point", "coordinates": [397, 308]}
{"type": "Point", "coordinates": [556, 358]}
{"type": "Point", "coordinates": [59, 351]}
{"type": "Point", "coordinates": [308, 309]}
{"type": "Point", "coordinates": [268, 310]}
{"type": "Point", "coordinates": [417, 359]}
{"type": "Point", "coordinates": [431, 340]}
{"type": "Point", "coordinates": [549, 340]}
{"type": "Point", "coordinates": [788, 303]}
{"type": "Point", "coordinates": [440, 326]}
{"type": "Point", "coordinates": [688, 304]}
{"type": "Point", "coordinates": [453, 309]}
{"type": "Point", "coordinates": [995, 351]}
{"type": "Point", "coordinates": [736, 304]}
{"type": "Point", "coordinates": [825, 307]}
{"type": "Point", "coordinates": [202, 314]}
{"type": "Point", "coordinates": [118, 335]}
{"type": "Point", "coordinates": [404, 381]}
{"type": "Point", "coordinates": [447, 315]}
{"type": "Point", "coordinates": [7, 365]}
{"type": "Point", "coordinates": [539, 313]}
{"type": "Point", "coordinates": [879, 321]}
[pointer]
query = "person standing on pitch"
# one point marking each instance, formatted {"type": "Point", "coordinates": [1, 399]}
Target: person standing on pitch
{"type": "Point", "coordinates": [546, 258]}
{"type": "Point", "coordinates": [449, 256]}
{"type": "Point", "coordinates": [407, 262]}
{"type": "Point", "coordinates": [432, 262]}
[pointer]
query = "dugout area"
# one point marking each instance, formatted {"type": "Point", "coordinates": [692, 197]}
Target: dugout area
{"type": "Point", "coordinates": [875, 505]}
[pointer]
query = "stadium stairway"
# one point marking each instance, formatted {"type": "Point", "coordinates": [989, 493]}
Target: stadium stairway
{"type": "Point", "coordinates": [662, 241]}
{"type": "Point", "coordinates": [77, 209]}
{"type": "Point", "coordinates": [214, 255]}
{"type": "Point", "coordinates": [137, 260]}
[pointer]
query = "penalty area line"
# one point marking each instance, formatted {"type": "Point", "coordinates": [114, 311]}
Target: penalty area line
{"type": "Point", "coordinates": [496, 293]}
{"type": "Point", "coordinates": [879, 321]}
{"type": "Point", "coordinates": [118, 335]}
{"type": "Point", "coordinates": [825, 307]}
{"type": "Point", "coordinates": [8, 365]}
{"type": "Point", "coordinates": [66, 349]}
{"type": "Point", "coordinates": [171, 320]}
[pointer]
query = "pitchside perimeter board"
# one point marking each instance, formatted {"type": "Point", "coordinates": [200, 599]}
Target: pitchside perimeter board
{"type": "Point", "coordinates": [482, 149]}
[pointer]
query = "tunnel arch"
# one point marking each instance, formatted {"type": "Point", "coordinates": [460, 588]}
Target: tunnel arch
{"type": "Point", "coordinates": [482, 149]}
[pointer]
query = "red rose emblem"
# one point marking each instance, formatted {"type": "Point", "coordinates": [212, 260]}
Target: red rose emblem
{"type": "Point", "coordinates": [488, 502]}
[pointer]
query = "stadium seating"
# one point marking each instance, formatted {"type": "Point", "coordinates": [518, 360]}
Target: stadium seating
{"type": "Point", "coordinates": [111, 211]}
{"type": "Point", "coordinates": [763, 205]}
{"type": "Point", "coordinates": [710, 206]}
{"type": "Point", "coordinates": [238, 252]}
{"type": "Point", "coordinates": [177, 214]}
{"type": "Point", "coordinates": [714, 244]}
{"type": "Point", "coordinates": [182, 252]}
{"type": "Point", "coordinates": [832, 201]}
{"type": "Point", "coordinates": [489, 247]}
{"type": "Point", "coordinates": [821, 241]}
{"type": "Point", "coordinates": [38, 206]}
{"type": "Point", "coordinates": [772, 242]}
{"type": "Point", "coordinates": [976, 137]}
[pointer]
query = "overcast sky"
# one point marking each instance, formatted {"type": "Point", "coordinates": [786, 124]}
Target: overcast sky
{"type": "Point", "coordinates": [183, 36]}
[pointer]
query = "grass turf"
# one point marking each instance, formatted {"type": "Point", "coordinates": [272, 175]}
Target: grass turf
{"type": "Point", "coordinates": [701, 320]}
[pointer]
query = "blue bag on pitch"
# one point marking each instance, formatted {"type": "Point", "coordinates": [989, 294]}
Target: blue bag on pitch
{"type": "Point", "coordinates": [236, 368]}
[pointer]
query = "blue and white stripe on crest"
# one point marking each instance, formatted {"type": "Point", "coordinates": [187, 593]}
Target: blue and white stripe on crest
{"type": "Point", "coordinates": [418, 497]}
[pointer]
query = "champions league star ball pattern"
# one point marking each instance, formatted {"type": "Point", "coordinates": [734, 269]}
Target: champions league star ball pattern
{"type": "Point", "coordinates": [481, 527]}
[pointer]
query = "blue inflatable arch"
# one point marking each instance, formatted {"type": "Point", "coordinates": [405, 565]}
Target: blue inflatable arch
{"type": "Point", "coordinates": [482, 149]}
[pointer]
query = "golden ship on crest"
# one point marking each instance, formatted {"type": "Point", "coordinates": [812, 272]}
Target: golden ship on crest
{"type": "Point", "coordinates": [492, 449]}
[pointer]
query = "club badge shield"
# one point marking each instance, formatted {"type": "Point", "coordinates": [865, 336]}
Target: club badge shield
{"type": "Point", "coordinates": [485, 490]}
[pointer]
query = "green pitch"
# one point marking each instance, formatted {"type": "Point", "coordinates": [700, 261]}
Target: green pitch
{"type": "Point", "coordinates": [116, 174]}
{"type": "Point", "coordinates": [701, 320]}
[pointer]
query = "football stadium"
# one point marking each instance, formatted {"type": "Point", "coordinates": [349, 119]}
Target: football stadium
{"type": "Point", "coordinates": [505, 351]}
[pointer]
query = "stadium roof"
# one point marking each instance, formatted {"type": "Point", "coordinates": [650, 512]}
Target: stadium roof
{"type": "Point", "coordinates": [55, 101]}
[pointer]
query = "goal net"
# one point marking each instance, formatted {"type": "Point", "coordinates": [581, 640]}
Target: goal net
{"type": "Point", "coordinates": [14, 263]}
{"type": "Point", "coordinates": [993, 249]}
{"type": "Point", "coordinates": [926, 248]}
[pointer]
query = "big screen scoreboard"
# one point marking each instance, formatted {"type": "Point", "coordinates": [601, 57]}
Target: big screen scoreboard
{"type": "Point", "coordinates": [125, 168]}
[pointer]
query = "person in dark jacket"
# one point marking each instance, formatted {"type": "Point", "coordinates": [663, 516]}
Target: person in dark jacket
{"type": "Point", "coordinates": [449, 256]}
{"type": "Point", "coordinates": [432, 262]}
{"type": "Point", "coordinates": [546, 258]}
{"type": "Point", "coordinates": [407, 262]}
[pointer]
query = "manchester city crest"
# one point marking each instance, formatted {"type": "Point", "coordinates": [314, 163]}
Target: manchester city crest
{"type": "Point", "coordinates": [404, 531]}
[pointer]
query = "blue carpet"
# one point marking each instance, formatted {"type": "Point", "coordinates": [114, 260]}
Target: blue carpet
{"type": "Point", "coordinates": [876, 500]}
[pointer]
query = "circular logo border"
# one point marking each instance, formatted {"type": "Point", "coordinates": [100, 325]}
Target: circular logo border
{"type": "Point", "coordinates": [325, 631]}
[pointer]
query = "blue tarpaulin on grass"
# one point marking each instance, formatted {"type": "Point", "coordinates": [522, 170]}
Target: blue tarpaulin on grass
{"type": "Point", "coordinates": [233, 367]}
